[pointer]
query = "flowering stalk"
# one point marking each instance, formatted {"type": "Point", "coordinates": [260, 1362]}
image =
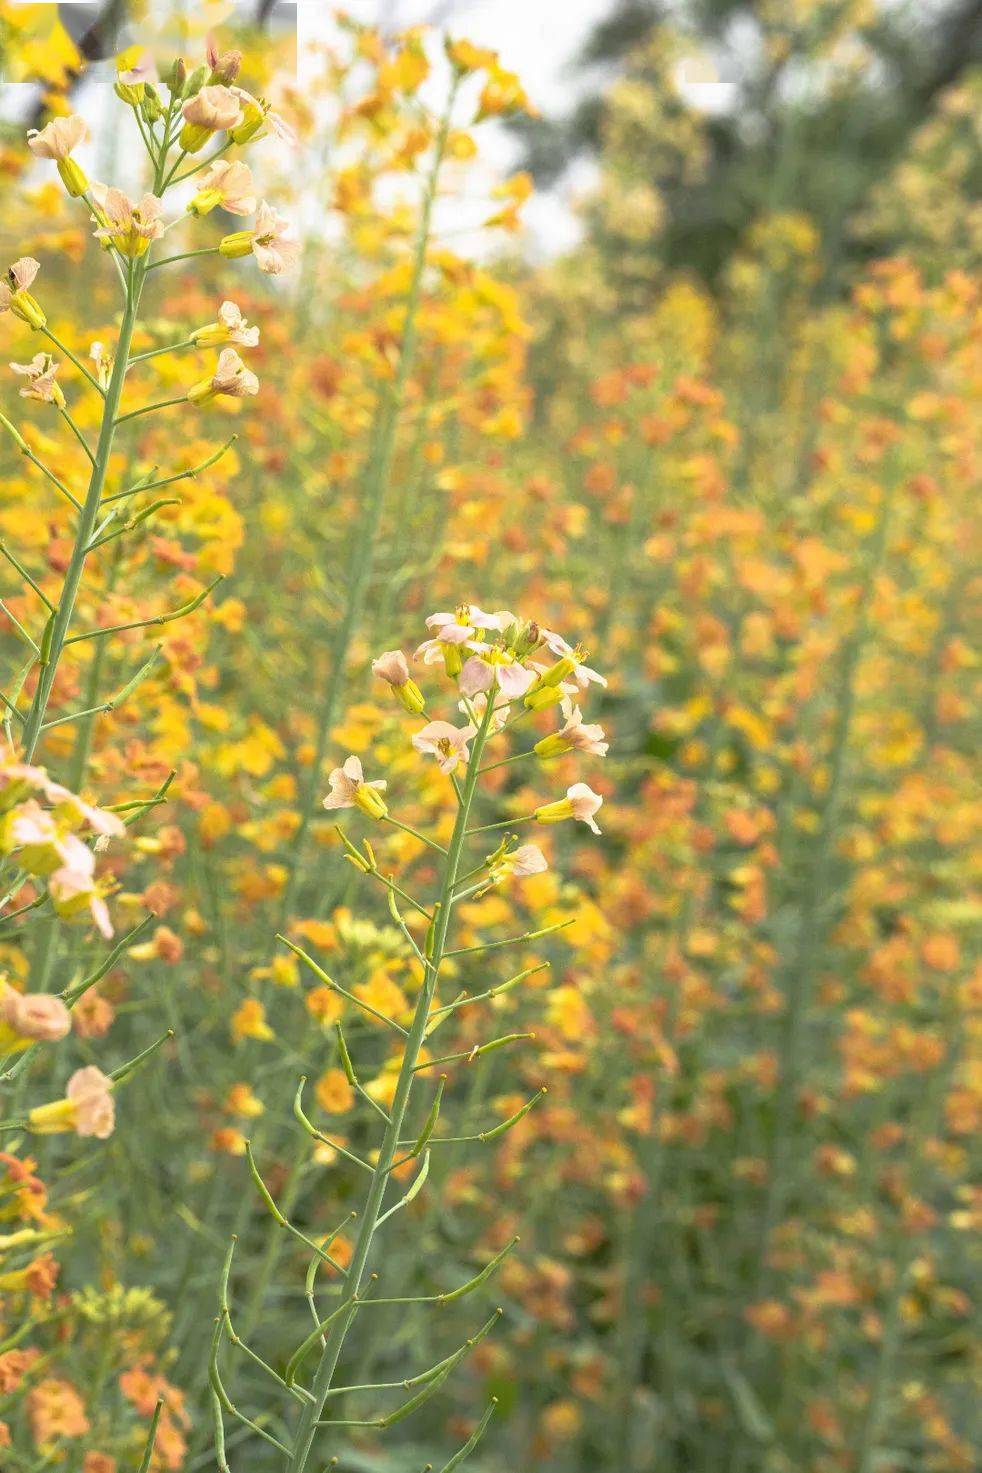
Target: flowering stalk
{"type": "Point", "coordinates": [504, 663]}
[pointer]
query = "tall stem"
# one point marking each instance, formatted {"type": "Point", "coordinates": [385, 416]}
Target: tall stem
{"type": "Point", "coordinates": [337, 1334]}
{"type": "Point", "coordinates": [374, 490]}
{"type": "Point", "coordinates": [86, 523]}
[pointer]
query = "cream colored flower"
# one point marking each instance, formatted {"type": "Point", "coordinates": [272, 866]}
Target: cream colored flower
{"type": "Point", "coordinates": [128, 226]}
{"type": "Point", "coordinates": [41, 382]}
{"type": "Point", "coordinates": [215, 109]}
{"type": "Point", "coordinates": [230, 377]}
{"type": "Point", "coordinates": [34, 1016]}
{"type": "Point", "coordinates": [15, 295]}
{"type": "Point", "coordinates": [350, 790]}
{"type": "Point", "coordinates": [393, 668]}
{"type": "Point", "coordinates": [58, 138]}
{"type": "Point", "coordinates": [273, 246]}
{"type": "Point", "coordinates": [575, 735]}
{"type": "Point", "coordinates": [270, 241]}
{"type": "Point", "coordinates": [581, 803]}
{"type": "Point", "coordinates": [231, 327]}
{"type": "Point", "coordinates": [228, 183]}
{"type": "Point", "coordinates": [448, 744]}
{"type": "Point", "coordinates": [87, 1109]}
{"type": "Point", "coordinates": [527, 859]}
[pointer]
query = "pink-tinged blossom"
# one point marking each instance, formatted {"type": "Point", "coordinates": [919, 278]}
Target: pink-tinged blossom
{"type": "Point", "coordinates": [393, 667]}
{"type": "Point", "coordinates": [273, 244]}
{"type": "Point", "coordinates": [527, 859]}
{"type": "Point", "coordinates": [231, 327]}
{"type": "Point", "coordinates": [259, 117]}
{"type": "Point", "coordinates": [87, 1108]}
{"type": "Point", "coordinates": [15, 295]}
{"type": "Point", "coordinates": [574, 736]}
{"type": "Point", "coordinates": [448, 744]}
{"type": "Point", "coordinates": [581, 803]}
{"type": "Point", "coordinates": [231, 377]}
{"type": "Point", "coordinates": [90, 1092]}
{"type": "Point", "coordinates": [350, 790]}
{"type": "Point", "coordinates": [41, 381]}
{"type": "Point", "coordinates": [73, 892]}
{"type": "Point", "coordinates": [226, 182]}
{"type": "Point", "coordinates": [480, 673]}
{"type": "Point", "coordinates": [582, 674]}
{"type": "Point", "coordinates": [215, 108]}
{"type": "Point", "coordinates": [129, 226]}
{"type": "Point", "coordinates": [58, 138]}
{"type": "Point", "coordinates": [35, 1016]}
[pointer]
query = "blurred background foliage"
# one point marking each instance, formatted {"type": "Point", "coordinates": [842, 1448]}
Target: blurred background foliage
{"type": "Point", "coordinates": [731, 441]}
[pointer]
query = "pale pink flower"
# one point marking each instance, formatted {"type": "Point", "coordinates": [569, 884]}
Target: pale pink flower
{"type": "Point", "coordinates": [89, 1091]}
{"type": "Point", "coordinates": [582, 674]}
{"type": "Point", "coordinates": [584, 803]}
{"type": "Point", "coordinates": [258, 116]}
{"type": "Point", "coordinates": [70, 806]}
{"type": "Point", "coordinates": [225, 65]}
{"type": "Point", "coordinates": [41, 381]}
{"type": "Point", "coordinates": [448, 744]}
{"type": "Point", "coordinates": [216, 108]}
{"type": "Point", "coordinates": [73, 891]}
{"type": "Point", "coordinates": [229, 183]}
{"type": "Point", "coordinates": [129, 226]}
{"type": "Point", "coordinates": [574, 735]}
{"type": "Point", "coordinates": [273, 246]}
{"type": "Point", "coordinates": [350, 790]}
{"type": "Point", "coordinates": [18, 278]}
{"type": "Point", "coordinates": [232, 377]}
{"type": "Point", "coordinates": [392, 667]}
{"type": "Point", "coordinates": [481, 673]}
{"type": "Point", "coordinates": [527, 859]}
{"type": "Point", "coordinates": [581, 803]}
{"type": "Point", "coordinates": [35, 1015]}
{"type": "Point", "coordinates": [231, 327]}
{"type": "Point", "coordinates": [58, 138]}
{"type": "Point", "coordinates": [41, 843]}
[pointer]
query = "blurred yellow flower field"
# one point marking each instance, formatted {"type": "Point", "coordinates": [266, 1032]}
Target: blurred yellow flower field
{"type": "Point", "coordinates": [489, 924]}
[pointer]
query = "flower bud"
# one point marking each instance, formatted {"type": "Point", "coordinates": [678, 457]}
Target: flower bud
{"type": "Point", "coordinates": [195, 82]}
{"type": "Point", "coordinates": [411, 697]}
{"type": "Point", "coordinates": [130, 92]}
{"type": "Point", "coordinates": [151, 107]}
{"type": "Point", "coordinates": [28, 309]}
{"type": "Point", "coordinates": [73, 177]}
{"type": "Point", "coordinates": [193, 137]}
{"type": "Point", "coordinates": [370, 801]}
{"type": "Point", "coordinates": [226, 68]}
{"type": "Point", "coordinates": [205, 201]}
{"type": "Point", "coordinates": [239, 243]}
{"type": "Point", "coordinates": [253, 119]}
{"type": "Point", "coordinates": [178, 75]}
{"type": "Point", "coordinates": [541, 697]}
{"type": "Point", "coordinates": [553, 745]}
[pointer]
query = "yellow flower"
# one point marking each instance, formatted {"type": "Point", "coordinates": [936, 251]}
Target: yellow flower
{"type": "Point", "coordinates": [249, 1021]}
{"type": "Point", "coordinates": [334, 1093]}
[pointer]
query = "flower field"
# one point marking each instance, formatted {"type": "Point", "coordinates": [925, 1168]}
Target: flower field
{"type": "Point", "coordinates": [489, 921]}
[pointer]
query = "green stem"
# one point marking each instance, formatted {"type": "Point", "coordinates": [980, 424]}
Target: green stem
{"type": "Point", "coordinates": [338, 1331]}
{"type": "Point", "coordinates": [376, 484]}
{"type": "Point", "coordinates": [85, 526]}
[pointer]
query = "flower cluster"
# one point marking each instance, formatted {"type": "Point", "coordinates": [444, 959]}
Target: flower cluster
{"type": "Point", "coordinates": [504, 669]}
{"type": "Point", "coordinates": [54, 836]}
